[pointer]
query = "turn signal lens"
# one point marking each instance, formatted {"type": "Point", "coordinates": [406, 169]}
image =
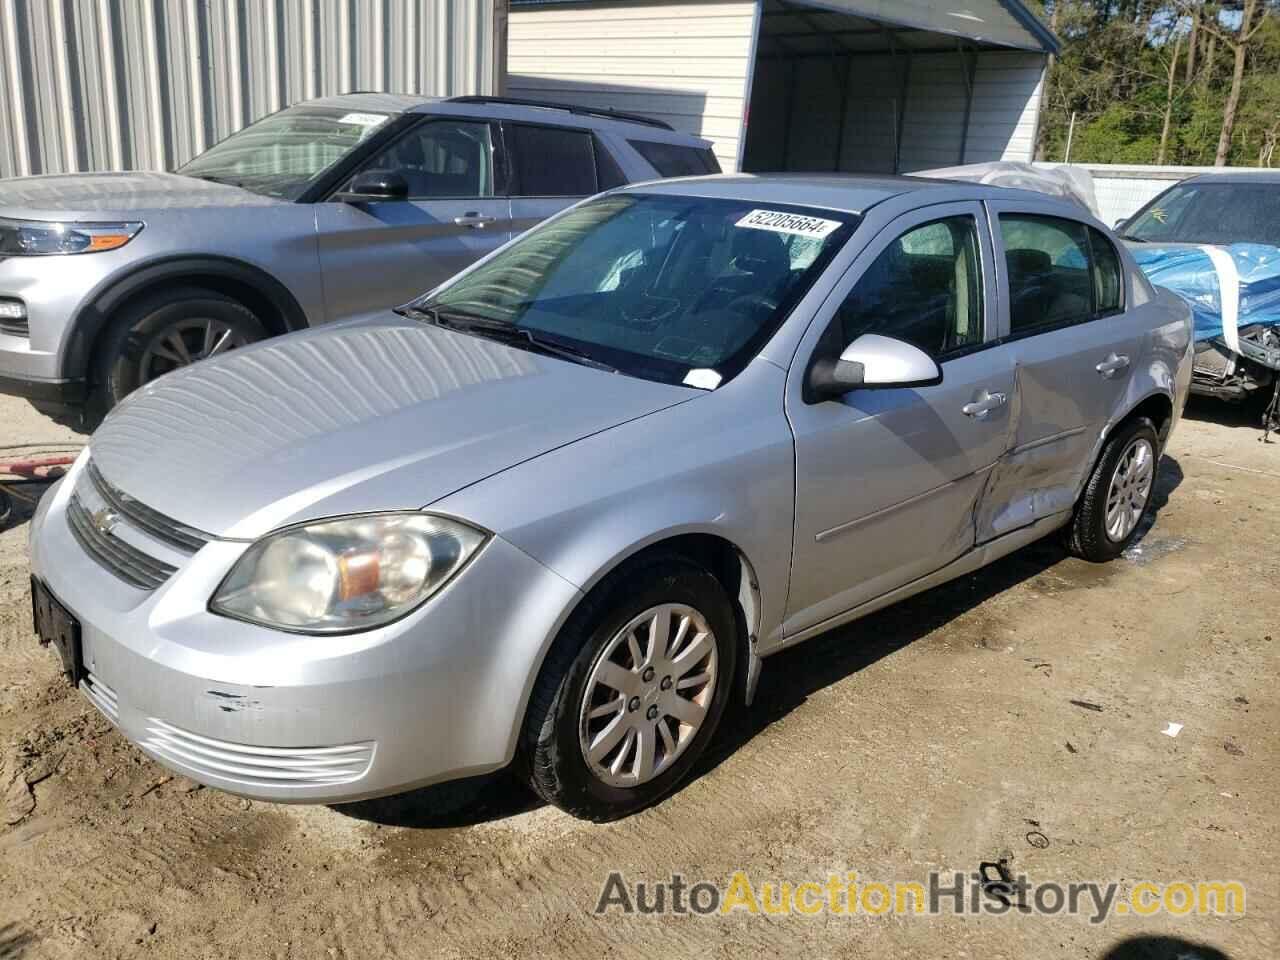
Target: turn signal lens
{"type": "Point", "coordinates": [35, 238]}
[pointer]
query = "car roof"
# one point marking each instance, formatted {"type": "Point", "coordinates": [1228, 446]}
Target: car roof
{"type": "Point", "coordinates": [845, 192]}
{"type": "Point", "coordinates": [499, 109]}
{"type": "Point", "coordinates": [1237, 176]}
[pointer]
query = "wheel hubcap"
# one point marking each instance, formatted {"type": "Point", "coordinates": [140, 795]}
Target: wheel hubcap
{"type": "Point", "coordinates": [187, 341]}
{"type": "Point", "coordinates": [665, 661]}
{"type": "Point", "coordinates": [1130, 489]}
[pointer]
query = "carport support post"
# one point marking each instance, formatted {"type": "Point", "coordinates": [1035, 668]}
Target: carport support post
{"type": "Point", "coordinates": [844, 112]}
{"type": "Point", "coordinates": [791, 112]}
{"type": "Point", "coordinates": [902, 115]}
{"type": "Point", "coordinates": [969, 67]}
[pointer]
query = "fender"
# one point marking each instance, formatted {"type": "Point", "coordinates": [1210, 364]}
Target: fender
{"type": "Point", "coordinates": [93, 316]}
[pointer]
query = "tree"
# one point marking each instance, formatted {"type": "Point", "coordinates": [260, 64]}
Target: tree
{"type": "Point", "coordinates": [1164, 81]}
{"type": "Point", "coordinates": [1252, 18]}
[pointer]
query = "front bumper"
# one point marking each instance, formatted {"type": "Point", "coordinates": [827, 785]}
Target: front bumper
{"type": "Point", "coordinates": [55, 393]}
{"type": "Point", "coordinates": [274, 716]}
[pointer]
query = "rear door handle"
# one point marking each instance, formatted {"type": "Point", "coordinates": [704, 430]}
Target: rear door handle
{"type": "Point", "coordinates": [473, 220]}
{"type": "Point", "coordinates": [1113, 364]}
{"type": "Point", "coordinates": [981, 408]}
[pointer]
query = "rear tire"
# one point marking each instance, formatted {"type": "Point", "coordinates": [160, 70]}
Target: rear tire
{"type": "Point", "coordinates": [162, 333]}
{"type": "Point", "coordinates": [1116, 498]}
{"type": "Point", "coordinates": [574, 711]}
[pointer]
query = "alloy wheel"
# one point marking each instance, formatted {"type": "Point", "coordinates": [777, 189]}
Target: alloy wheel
{"type": "Point", "coordinates": [1130, 489]}
{"type": "Point", "coordinates": [648, 694]}
{"type": "Point", "coordinates": [187, 341]}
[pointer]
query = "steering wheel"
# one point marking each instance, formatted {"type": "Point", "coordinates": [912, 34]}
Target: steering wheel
{"type": "Point", "coordinates": [749, 302]}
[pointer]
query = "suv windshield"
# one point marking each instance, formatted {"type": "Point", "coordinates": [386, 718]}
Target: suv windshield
{"type": "Point", "coordinates": [281, 155]}
{"type": "Point", "coordinates": [656, 286]}
{"type": "Point", "coordinates": [1203, 212]}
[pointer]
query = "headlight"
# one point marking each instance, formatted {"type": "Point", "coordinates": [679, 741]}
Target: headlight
{"type": "Point", "coordinates": [33, 238]}
{"type": "Point", "coordinates": [339, 576]}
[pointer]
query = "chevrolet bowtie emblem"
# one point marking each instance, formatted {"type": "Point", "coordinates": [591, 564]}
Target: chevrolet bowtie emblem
{"type": "Point", "coordinates": [105, 520]}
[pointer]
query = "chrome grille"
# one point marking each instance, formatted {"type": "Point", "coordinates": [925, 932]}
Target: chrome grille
{"type": "Point", "coordinates": [144, 518]}
{"type": "Point", "coordinates": [122, 559]}
{"type": "Point", "coordinates": [258, 766]}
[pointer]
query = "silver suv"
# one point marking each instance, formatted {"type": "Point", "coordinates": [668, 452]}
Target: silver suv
{"type": "Point", "coordinates": [323, 211]}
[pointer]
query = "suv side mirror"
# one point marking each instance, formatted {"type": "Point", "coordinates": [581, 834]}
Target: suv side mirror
{"type": "Point", "coordinates": [872, 362]}
{"type": "Point", "coordinates": [1119, 224]}
{"type": "Point", "coordinates": [376, 185]}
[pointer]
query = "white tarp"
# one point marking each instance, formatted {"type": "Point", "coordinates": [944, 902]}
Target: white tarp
{"type": "Point", "coordinates": [1064, 180]}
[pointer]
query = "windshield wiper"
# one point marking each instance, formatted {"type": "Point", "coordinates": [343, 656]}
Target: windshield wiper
{"type": "Point", "coordinates": [503, 332]}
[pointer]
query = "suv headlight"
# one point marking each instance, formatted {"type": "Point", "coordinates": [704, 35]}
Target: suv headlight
{"type": "Point", "coordinates": [339, 576]}
{"type": "Point", "coordinates": [35, 238]}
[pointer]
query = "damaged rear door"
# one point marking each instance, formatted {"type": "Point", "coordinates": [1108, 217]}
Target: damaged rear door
{"type": "Point", "coordinates": [1075, 349]}
{"type": "Point", "coordinates": [888, 480]}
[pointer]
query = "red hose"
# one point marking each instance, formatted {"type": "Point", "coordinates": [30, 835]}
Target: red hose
{"type": "Point", "coordinates": [28, 468]}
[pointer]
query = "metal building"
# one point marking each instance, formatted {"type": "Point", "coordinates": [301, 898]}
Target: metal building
{"type": "Point", "coordinates": [127, 84]}
{"type": "Point", "coordinates": [848, 85]}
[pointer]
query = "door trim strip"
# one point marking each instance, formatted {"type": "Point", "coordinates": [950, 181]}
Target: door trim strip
{"type": "Point", "coordinates": [850, 524]}
{"type": "Point", "coordinates": [1045, 441]}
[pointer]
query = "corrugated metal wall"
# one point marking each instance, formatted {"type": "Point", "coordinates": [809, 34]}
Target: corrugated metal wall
{"type": "Point", "coordinates": [126, 84]}
{"type": "Point", "coordinates": [796, 104]}
{"type": "Point", "coordinates": [682, 62]}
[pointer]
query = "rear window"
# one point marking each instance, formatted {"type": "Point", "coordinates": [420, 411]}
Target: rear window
{"type": "Point", "coordinates": [553, 162]}
{"type": "Point", "coordinates": [674, 160]}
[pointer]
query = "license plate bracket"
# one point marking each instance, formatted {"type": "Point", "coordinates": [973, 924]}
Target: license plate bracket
{"type": "Point", "coordinates": [55, 626]}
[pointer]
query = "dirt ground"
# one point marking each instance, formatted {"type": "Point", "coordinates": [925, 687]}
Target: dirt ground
{"type": "Point", "coordinates": [932, 736]}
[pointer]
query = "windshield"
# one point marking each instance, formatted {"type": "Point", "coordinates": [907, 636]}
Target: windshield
{"type": "Point", "coordinates": [281, 155]}
{"type": "Point", "coordinates": [678, 289]}
{"type": "Point", "coordinates": [1203, 212]}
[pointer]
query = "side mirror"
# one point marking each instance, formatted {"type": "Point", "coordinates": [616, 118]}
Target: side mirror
{"type": "Point", "coordinates": [376, 185]}
{"type": "Point", "coordinates": [872, 362]}
{"type": "Point", "coordinates": [1119, 224]}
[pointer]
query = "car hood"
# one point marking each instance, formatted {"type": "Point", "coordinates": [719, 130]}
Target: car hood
{"type": "Point", "coordinates": [101, 196]}
{"type": "Point", "coordinates": [387, 414]}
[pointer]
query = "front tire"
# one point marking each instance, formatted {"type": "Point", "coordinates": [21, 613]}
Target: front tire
{"type": "Point", "coordinates": [1118, 494]}
{"type": "Point", "coordinates": [632, 690]}
{"type": "Point", "coordinates": [162, 333]}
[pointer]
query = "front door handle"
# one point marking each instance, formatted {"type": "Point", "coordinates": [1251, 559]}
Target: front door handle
{"type": "Point", "coordinates": [981, 408]}
{"type": "Point", "coordinates": [474, 220]}
{"type": "Point", "coordinates": [1112, 365]}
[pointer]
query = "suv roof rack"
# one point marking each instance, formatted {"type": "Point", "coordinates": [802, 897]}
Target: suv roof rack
{"type": "Point", "coordinates": [605, 112]}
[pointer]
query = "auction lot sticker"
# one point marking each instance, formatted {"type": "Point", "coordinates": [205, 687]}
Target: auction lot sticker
{"type": "Point", "coordinates": [363, 119]}
{"type": "Point", "coordinates": [780, 221]}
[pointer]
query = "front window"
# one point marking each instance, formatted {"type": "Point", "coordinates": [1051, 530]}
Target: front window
{"type": "Point", "coordinates": [440, 159]}
{"type": "Point", "coordinates": [669, 288]}
{"type": "Point", "coordinates": [283, 154]}
{"type": "Point", "coordinates": [1206, 212]}
{"type": "Point", "coordinates": [925, 288]}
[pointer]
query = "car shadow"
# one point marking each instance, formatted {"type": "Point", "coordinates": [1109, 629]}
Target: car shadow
{"type": "Point", "coordinates": [18, 501]}
{"type": "Point", "coordinates": [787, 681]}
{"type": "Point", "coordinates": [1224, 413]}
{"type": "Point", "coordinates": [1162, 948]}
{"type": "Point", "coordinates": [14, 941]}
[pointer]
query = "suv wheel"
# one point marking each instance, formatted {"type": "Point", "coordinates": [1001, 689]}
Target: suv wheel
{"type": "Point", "coordinates": [1118, 493]}
{"type": "Point", "coordinates": [632, 690]}
{"type": "Point", "coordinates": [165, 332]}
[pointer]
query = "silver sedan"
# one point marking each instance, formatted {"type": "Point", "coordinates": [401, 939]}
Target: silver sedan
{"type": "Point", "coordinates": [560, 510]}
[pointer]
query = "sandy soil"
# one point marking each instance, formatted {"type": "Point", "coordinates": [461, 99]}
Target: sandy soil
{"type": "Point", "coordinates": [935, 735]}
